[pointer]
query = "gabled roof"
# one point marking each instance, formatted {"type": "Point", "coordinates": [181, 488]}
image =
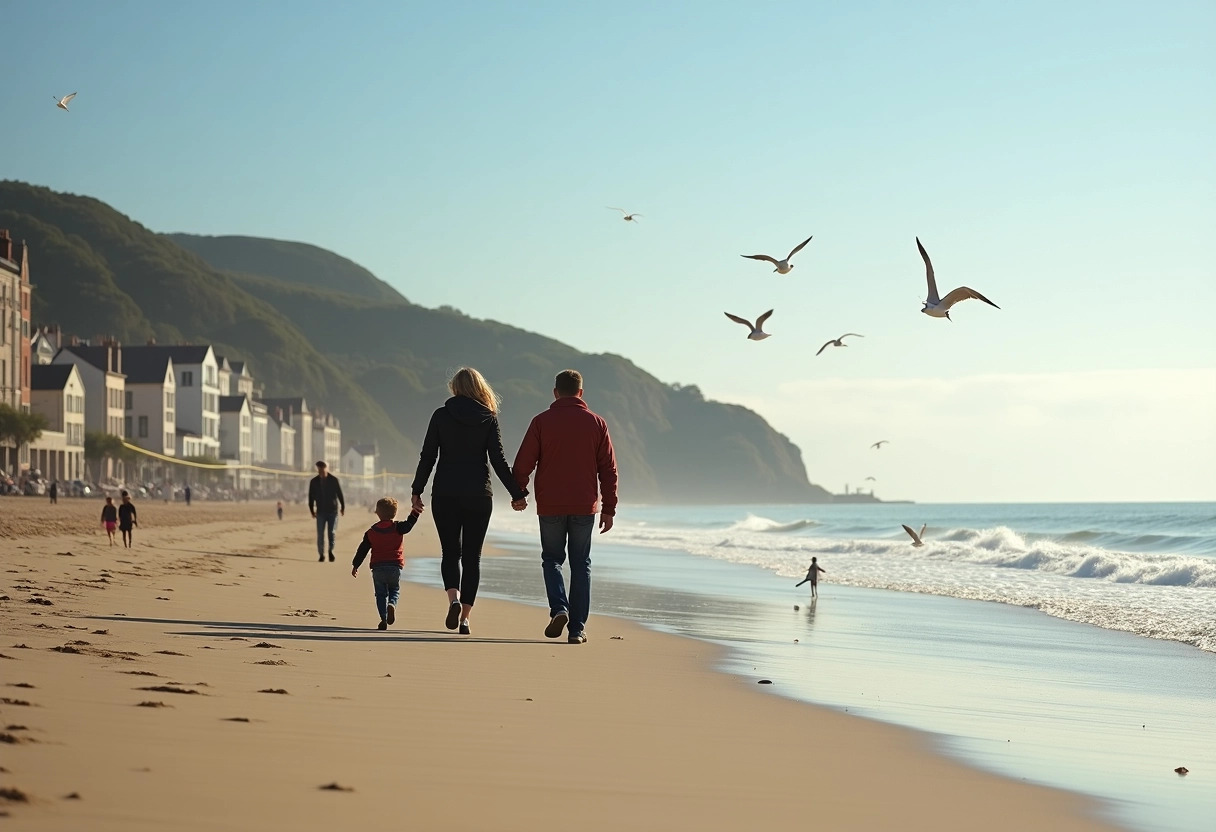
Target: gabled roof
{"type": "Point", "coordinates": [232, 404]}
{"type": "Point", "coordinates": [363, 450]}
{"type": "Point", "coordinates": [50, 376]}
{"type": "Point", "coordinates": [187, 354]}
{"type": "Point", "coordinates": [293, 403]}
{"type": "Point", "coordinates": [237, 367]}
{"type": "Point", "coordinates": [93, 356]}
{"type": "Point", "coordinates": [145, 367]}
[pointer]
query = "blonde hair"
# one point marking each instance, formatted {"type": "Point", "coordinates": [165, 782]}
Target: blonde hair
{"type": "Point", "coordinates": [386, 508]}
{"type": "Point", "coordinates": [469, 382]}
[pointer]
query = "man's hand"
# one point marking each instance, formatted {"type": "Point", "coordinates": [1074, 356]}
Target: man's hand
{"type": "Point", "coordinates": [520, 504]}
{"type": "Point", "coordinates": [605, 522]}
{"type": "Point", "coordinates": [314, 515]}
{"type": "Point", "coordinates": [342, 511]}
{"type": "Point", "coordinates": [354, 572]}
{"type": "Point", "coordinates": [416, 503]}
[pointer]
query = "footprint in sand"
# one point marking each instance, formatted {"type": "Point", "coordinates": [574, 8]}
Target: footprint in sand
{"type": "Point", "coordinates": [139, 673]}
{"type": "Point", "coordinates": [268, 644]}
{"type": "Point", "coordinates": [27, 684]}
{"type": "Point", "coordinates": [13, 795]}
{"type": "Point", "coordinates": [236, 719]}
{"type": "Point", "coordinates": [171, 689]}
{"type": "Point", "coordinates": [334, 787]}
{"type": "Point", "coordinates": [153, 705]}
{"type": "Point", "coordinates": [4, 700]}
{"type": "Point", "coordinates": [275, 662]}
{"type": "Point", "coordinates": [168, 653]}
{"type": "Point", "coordinates": [273, 690]}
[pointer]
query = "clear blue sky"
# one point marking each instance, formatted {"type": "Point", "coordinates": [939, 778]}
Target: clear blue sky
{"type": "Point", "coordinates": [1056, 156]}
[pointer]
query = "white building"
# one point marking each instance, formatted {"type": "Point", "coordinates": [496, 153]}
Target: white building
{"type": "Point", "coordinates": [296, 413]}
{"type": "Point", "coordinates": [261, 430]}
{"type": "Point", "coordinates": [360, 460]}
{"type": "Point", "coordinates": [14, 339]}
{"type": "Point", "coordinates": [57, 392]}
{"type": "Point", "coordinates": [104, 384]}
{"type": "Point", "coordinates": [45, 345]}
{"type": "Point", "coordinates": [240, 382]}
{"type": "Point", "coordinates": [236, 429]}
{"type": "Point", "coordinates": [150, 401]}
{"type": "Point", "coordinates": [327, 438]}
{"type": "Point", "coordinates": [198, 396]}
{"type": "Point", "coordinates": [280, 440]}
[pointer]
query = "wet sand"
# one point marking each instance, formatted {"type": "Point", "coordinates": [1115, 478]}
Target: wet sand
{"type": "Point", "coordinates": [217, 677]}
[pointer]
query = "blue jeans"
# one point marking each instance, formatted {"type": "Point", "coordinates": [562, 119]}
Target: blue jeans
{"type": "Point", "coordinates": [386, 577]}
{"type": "Point", "coordinates": [324, 520]}
{"type": "Point", "coordinates": [562, 535]}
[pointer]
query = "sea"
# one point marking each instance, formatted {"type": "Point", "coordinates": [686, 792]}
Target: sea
{"type": "Point", "coordinates": [1070, 645]}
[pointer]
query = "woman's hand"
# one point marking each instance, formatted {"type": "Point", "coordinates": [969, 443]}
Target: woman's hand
{"type": "Point", "coordinates": [416, 503]}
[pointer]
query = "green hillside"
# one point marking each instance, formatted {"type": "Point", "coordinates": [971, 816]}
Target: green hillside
{"type": "Point", "coordinates": [96, 272]}
{"type": "Point", "coordinates": [376, 360]}
{"type": "Point", "coordinates": [298, 263]}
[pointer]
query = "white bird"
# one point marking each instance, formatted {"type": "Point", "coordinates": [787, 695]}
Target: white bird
{"type": "Point", "coordinates": [783, 266]}
{"type": "Point", "coordinates": [916, 538]}
{"type": "Point", "coordinates": [627, 217]}
{"type": "Point", "coordinates": [871, 478]}
{"type": "Point", "coordinates": [839, 342]}
{"type": "Point", "coordinates": [63, 102]}
{"type": "Point", "coordinates": [878, 445]}
{"type": "Point", "coordinates": [939, 307]}
{"type": "Point", "coordinates": [757, 331]}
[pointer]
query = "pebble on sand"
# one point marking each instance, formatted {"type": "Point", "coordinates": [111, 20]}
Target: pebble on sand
{"type": "Point", "coordinates": [1181, 771]}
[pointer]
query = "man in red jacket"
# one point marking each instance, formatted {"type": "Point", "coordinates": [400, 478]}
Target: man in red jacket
{"type": "Point", "coordinates": [571, 451]}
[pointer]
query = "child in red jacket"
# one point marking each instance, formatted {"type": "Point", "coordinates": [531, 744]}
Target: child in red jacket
{"type": "Point", "coordinates": [384, 541]}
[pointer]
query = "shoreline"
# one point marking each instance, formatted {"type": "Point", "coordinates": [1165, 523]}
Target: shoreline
{"type": "Point", "coordinates": [640, 731]}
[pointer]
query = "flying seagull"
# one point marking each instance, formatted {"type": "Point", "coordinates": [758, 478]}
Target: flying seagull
{"type": "Point", "coordinates": [939, 307]}
{"type": "Point", "coordinates": [878, 445]}
{"type": "Point", "coordinates": [839, 342]}
{"type": "Point", "coordinates": [783, 266]}
{"type": "Point", "coordinates": [871, 478]}
{"type": "Point", "coordinates": [916, 538]}
{"type": "Point", "coordinates": [63, 102]}
{"type": "Point", "coordinates": [757, 331]}
{"type": "Point", "coordinates": [627, 217]}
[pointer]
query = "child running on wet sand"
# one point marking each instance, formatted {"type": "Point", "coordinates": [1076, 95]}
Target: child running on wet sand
{"type": "Point", "coordinates": [384, 541]}
{"type": "Point", "coordinates": [812, 575]}
{"type": "Point", "coordinates": [109, 518]}
{"type": "Point", "coordinates": [126, 519]}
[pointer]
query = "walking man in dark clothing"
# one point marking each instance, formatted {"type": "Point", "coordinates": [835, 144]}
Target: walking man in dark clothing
{"type": "Point", "coordinates": [325, 502]}
{"type": "Point", "coordinates": [53, 491]}
{"type": "Point", "coordinates": [571, 452]}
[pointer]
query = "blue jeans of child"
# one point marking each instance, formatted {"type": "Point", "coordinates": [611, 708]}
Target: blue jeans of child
{"type": "Point", "coordinates": [323, 520]}
{"type": "Point", "coordinates": [386, 577]}
{"type": "Point", "coordinates": [563, 535]}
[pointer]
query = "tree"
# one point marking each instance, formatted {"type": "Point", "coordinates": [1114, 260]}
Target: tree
{"type": "Point", "coordinates": [19, 428]}
{"type": "Point", "coordinates": [100, 446]}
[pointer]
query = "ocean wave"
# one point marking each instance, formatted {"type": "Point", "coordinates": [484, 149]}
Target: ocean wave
{"type": "Point", "coordinates": [752, 523]}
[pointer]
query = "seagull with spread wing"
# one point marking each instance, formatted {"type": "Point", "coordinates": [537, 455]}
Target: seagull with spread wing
{"type": "Point", "coordinates": [878, 445]}
{"type": "Point", "coordinates": [916, 538]}
{"type": "Point", "coordinates": [626, 216]}
{"type": "Point", "coordinates": [782, 266]}
{"type": "Point", "coordinates": [63, 102]}
{"type": "Point", "coordinates": [939, 307]}
{"type": "Point", "coordinates": [757, 330]}
{"type": "Point", "coordinates": [839, 342]}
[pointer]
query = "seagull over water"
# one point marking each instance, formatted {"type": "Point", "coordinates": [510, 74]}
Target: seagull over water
{"type": "Point", "coordinates": [916, 538]}
{"type": "Point", "coordinates": [839, 342]}
{"type": "Point", "coordinates": [63, 102]}
{"type": "Point", "coordinates": [939, 307]}
{"type": "Point", "coordinates": [878, 445]}
{"type": "Point", "coordinates": [757, 331]}
{"type": "Point", "coordinates": [627, 217]}
{"type": "Point", "coordinates": [783, 266]}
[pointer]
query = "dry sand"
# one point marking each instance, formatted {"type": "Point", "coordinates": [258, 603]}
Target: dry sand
{"type": "Point", "coordinates": [216, 677]}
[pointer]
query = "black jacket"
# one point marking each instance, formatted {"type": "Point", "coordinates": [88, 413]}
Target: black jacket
{"type": "Point", "coordinates": [463, 434]}
{"type": "Point", "coordinates": [325, 493]}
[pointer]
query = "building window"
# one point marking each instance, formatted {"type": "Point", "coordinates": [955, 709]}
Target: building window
{"type": "Point", "coordinates": [126, 422]}
{"type": "Point", "coordinates": [187, 379]}
{"type": "Point", "coordinates": [130, 400]}
{"type": "Point", "coordinates": [168, 440]}
{"type": "Point", "coordinates": [143, 427]}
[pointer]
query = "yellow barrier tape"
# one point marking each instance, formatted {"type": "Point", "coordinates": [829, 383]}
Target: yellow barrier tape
{"type": "Point", "coordinates": [239, 467]}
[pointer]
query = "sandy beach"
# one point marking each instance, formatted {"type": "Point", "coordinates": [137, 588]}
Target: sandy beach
{"type": "Point", "coordinates": [217, 677]}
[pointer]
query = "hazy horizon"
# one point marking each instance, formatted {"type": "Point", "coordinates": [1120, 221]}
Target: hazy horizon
{"type": "Point", "coordinates": [1054, 159]}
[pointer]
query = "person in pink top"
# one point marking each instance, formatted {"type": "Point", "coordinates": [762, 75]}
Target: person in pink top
{"type": "Point", "coordinates": [569, 448]}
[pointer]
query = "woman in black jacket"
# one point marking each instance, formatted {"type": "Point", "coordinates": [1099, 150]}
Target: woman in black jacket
{"type": "Point", "coordinates": [463, 434]}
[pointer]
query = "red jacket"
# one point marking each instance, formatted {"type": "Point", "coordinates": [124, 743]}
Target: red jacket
{"type": "Point", "coordinates": [384, 541]}
{"type": "Point", "coordinates": [571, 452]}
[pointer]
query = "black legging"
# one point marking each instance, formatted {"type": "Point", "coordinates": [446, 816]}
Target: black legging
{"type": "Point", "coordinates": [462, 523]}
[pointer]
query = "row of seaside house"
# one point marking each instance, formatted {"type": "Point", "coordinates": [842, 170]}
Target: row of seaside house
{"type": "Point", "coordinates": [179, 402]}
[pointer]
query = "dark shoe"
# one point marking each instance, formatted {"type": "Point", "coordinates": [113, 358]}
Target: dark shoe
{"type": "Point", "coordinates": [392, 613]}
{"type": "Point", "coordinates": [577, 638]}
{"type": "Point", "coordinates": [556, 624]}
{"type": "Point", "coordinates": [320, 558]}
{"type": "Point", "coordinates": [453, 619]}
{"type": "Point", "coordinates": [331, 557]}
{"type": "Point", "coordinates": [464, 628]}
{"type": "Point", "coordinates": [383, 625]}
